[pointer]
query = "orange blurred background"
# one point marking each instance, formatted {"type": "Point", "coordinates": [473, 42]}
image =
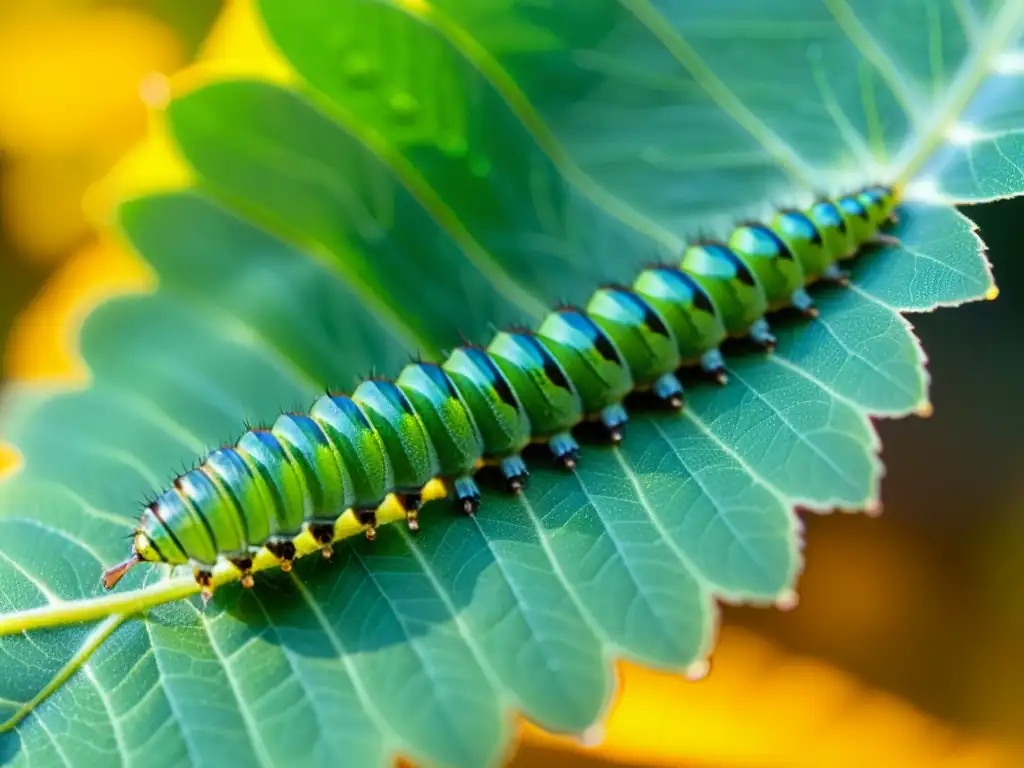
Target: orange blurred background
{"type": "Point", "coordinates": [908, 646]}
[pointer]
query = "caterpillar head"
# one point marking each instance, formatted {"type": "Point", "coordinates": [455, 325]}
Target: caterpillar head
{"type": "Point", "coordinates": [879, 201]}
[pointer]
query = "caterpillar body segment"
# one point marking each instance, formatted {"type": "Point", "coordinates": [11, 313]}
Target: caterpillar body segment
{"type": "Point", "coordinates": [733, 287]}
{"type": "Point", "coordinates": [451, 428]}
{"type": "Point", "coordinates": [360, 448]}
{"type": "Point", "coordinates": [496, 408]}
{"type": "Point", "coordinates": [687, 310]}
{"type": "Point", "coordinates": [648, 346]}
{"type": "Point", "coordinates": [428, 432]}
{"type": "Point", "coordinates": [550, 399]}
{"type": "Point", "coordinates": [780, 273]}
{"type": "Point", "coordinates": [593, 361]}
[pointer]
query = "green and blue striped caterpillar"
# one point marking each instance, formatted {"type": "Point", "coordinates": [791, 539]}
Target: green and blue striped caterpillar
{"type": "Point", "coordinates": [440, 423]}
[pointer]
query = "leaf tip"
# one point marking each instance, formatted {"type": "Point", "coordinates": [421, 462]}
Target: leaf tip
{"type": "Point", "coordinates": [874, 509]}
{"type": "Point", "coordinates": [787, 600]}
{"type": "Point", "coordinates": [698, 670]}
{"type": "Point", "coordinates": [592, 737]}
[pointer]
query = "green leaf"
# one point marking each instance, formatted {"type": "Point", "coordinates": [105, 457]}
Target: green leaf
{"type": "Point", "coordinates": [436, 171]}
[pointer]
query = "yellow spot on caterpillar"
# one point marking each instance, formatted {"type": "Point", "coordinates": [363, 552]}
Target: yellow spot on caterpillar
{"type": "Point", "coordinates": [992, 293]}
{"type": "Point", "coordinates": [305, 543]}
{"type": "Point", "coordinates": [346, 525]}
{"type": "Point", "coordinates": [390, 510]}
{"type": "Point", "coordinates": [434, 490]}
{"type": "Point", "coordinates": [925, 410]}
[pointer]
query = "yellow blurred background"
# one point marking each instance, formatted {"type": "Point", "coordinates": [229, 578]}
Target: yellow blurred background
{"type": "Point", "coordinates": [908, 646]}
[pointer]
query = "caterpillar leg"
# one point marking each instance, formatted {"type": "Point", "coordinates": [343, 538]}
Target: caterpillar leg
{"type": "Point", "coordinates": [835, 274]}
{"type": "Point", "coordinates": [565, 449]}
{"type": "Point", "coordinates": [244, 565]}
{"type": "Point", "coordinates": [323, 534]}
{"type": "Point", "coordinates": [713, 364]}
{"type": "Point", "coordinates": [368, 517]}
{"type": "Point", "coordinates": [613, 419]}
{"type": "Point", "coordinates": [284, 551]}
{"type": "Point", "coordinates": [204, 578]}
{"type": "Point", "coordinates": [467, 494]}
{"type": "Point", "coordinates": [761, 334]}
{"type": "Point", "coordinates": [514, 470]}
{"type": "Point", "coordinates": [411, 502]}
{"type": "Point", "coordinates": [668, 389]}
{"type": "Point", "coordinates": [881, 238]}
{"type": "Point", "coordinates": [803, 303]}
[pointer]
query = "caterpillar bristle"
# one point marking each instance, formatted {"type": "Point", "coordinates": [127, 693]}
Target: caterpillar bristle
{"type": "Point", "coordinates": [361, 450]}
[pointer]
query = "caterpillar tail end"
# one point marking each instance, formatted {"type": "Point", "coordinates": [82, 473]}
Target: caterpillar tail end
{"type": "Point", "coordinates": [113, 575]}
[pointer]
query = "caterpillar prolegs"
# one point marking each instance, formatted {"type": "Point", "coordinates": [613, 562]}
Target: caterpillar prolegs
{"type": "Point", "coordinates": [443, 422]}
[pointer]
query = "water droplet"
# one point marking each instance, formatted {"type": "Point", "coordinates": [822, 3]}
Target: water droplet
{"type": "Point", "coordinates": [360, 71]}
{"type": "Point", "coordinates": [404, 107]}
{"type": "Point", "coordinates": [698, 670]}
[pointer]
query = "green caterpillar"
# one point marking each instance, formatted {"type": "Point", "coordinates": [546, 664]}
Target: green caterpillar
{"type": "Point", "coordinates": [441, 423]}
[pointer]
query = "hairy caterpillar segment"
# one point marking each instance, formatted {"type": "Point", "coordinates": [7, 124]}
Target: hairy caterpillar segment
{"type": "Point", "coordinates": [484, 406]}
